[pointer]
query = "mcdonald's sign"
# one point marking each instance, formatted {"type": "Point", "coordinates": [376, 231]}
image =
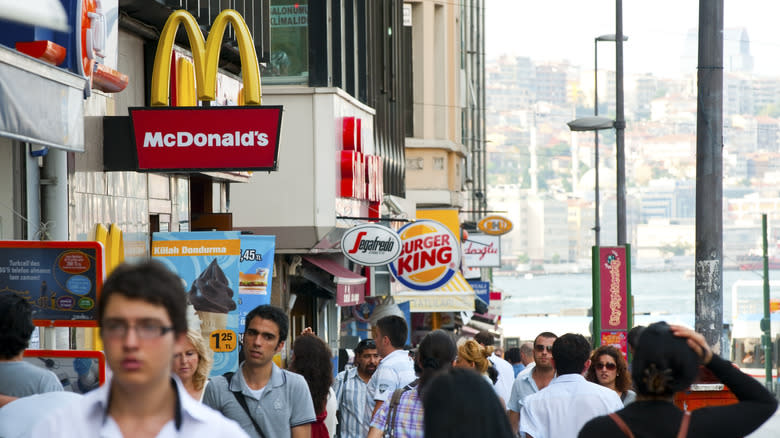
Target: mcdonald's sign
{"type": "Point", "coordinates": [203, 138]}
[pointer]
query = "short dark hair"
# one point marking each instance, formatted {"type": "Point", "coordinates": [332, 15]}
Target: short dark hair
{"type": "Point", "coordinates": [570, 352]}
{"type": "Point", "coordinates": [485, 338]}
{"type": "Point", "coordinates": [365, 344]}
{"type": "Point", "coordinates": [274, 314]}
{"type": "Point", "coordinates": [548, 335]}
{"type": "Point", "coordinates": [513, 355]}
{"type": "Point", "coordinates": [16, 325]}
{"type": "Point", "coordinates": [148, 281]}
{"type": "Point", "coordinates": [395, 328]}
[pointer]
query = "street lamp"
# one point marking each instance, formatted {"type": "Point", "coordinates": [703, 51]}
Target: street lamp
{"type": "Point", "coordinates": [594, 124]}
{"type": "Point", "coordinates": [607, 37]}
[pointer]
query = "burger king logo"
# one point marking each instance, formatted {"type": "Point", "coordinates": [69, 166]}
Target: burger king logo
{"type": "Point", "coordinates": [430, 255]}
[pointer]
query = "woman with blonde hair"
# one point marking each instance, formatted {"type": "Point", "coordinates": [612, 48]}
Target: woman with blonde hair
{"type": "Point", "coordinates": [609, 368]}
{"type": "Point", "coordinates": [192, 363]}
{"type": "Point", "coordinates": [474, 356]}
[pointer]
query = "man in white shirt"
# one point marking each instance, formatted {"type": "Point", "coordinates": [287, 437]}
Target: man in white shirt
{"type": "Point", "coordinates": [569, 401]}
{"type": "Point", "coordinates": [506, 374]}
{"type": "Point", "coordinates": [142, 316]}
{"type": "Point", "coordinates": [535, 377]}
{"type": "Point", "coordinates": [396, 368]}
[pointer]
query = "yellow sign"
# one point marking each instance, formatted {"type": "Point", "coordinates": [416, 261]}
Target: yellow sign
{"type": "Point", "coordinates": [447, 216]}
{"type": "Point", "coordinates": [495, 225]}
{"type": "Point", "coordinates": [205, 56]}
{"type": "Point", "coordinates": [223, 341]}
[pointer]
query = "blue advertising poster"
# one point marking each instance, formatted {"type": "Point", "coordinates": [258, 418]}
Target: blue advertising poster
{"type": "Point", "coordinates": [256, 266]}
{"type": "Point", "coordinates": [482, 289]}
{"type": "Point", "coordinates": [208, 264]}
{"type": "Point", "coordinates": [60, 279]}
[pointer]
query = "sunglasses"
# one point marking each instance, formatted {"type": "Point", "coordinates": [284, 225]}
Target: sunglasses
{"type": "Point", "coordinates": [541, 348]}
{"type": "Point", "coordinates": [610, 366]}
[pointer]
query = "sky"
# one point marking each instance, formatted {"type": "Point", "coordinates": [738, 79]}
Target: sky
{"type": "Point", "coordinates": [558, 30]}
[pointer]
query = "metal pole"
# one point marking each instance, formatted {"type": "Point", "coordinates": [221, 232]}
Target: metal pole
{"type": "Point", "coordinates": [597, 226]}
{"type": "Point", "coordinates": [766, 322]}
{"type": "Point", "coordinates": [709, 175]}
{"type": "Point", "coordinates": [620, 126]}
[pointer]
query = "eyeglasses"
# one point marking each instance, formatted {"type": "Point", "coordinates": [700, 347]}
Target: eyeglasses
{"type": "Point", "coordinates": [609, 365]}
{"type": "Point", "coordinates": [115, 329]}
{"type": "Point", "coordinates": [541, 348]}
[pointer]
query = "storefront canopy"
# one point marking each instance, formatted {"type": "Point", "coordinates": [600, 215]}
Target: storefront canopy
{"type": "Point", "coordinates": [455, 296]}
{"type": "Point", "coordinates": [350, 287]}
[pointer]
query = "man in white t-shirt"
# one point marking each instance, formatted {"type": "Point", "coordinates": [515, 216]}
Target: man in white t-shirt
{"type": "Point", "coordinates": [569, 401]}
{"type": "Point", "coordinates": [396, 369]}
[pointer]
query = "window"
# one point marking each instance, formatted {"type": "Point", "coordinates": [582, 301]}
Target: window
{"type": "Point", "coordinates": [289, 63]}
{"type": "Point", "coordinates": [414, 163]}
{"type": "Point", "coordinates": [438, 163]}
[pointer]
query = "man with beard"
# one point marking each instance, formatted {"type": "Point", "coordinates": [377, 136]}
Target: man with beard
{"type": "Point", "coordinates": [532, 379]}
{"type": "Point", "coordinates": [351, 388]}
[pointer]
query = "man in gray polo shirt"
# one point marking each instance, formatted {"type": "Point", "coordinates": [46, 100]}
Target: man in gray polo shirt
{"type": "Point", "coordinates": [279, 401]}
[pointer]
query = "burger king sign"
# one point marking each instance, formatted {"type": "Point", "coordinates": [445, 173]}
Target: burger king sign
{"type": "Point", "coordinates": [430, 255]}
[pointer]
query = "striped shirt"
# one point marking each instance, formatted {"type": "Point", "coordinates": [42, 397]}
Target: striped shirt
{"type": "Point", "coordinates": [351, 393]}
{"type": "Point", "coordinates": [408, 419]}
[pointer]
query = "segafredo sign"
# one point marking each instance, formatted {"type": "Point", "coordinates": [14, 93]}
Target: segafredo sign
{"type": "Point", "coordinates": [430, 255]}
{"type": "Point", "coordinates": [371, 245]}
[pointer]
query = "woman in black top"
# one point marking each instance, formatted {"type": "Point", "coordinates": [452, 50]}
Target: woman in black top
{"type": "Point", "coordinates": [666, 362]}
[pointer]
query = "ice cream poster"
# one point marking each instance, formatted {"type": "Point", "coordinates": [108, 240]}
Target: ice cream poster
{"type": "Point", "coordinates": [208, 263]}
{"type": "Point", "coordinates": [255, 273]}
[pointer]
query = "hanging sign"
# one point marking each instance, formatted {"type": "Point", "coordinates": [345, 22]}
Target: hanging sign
{"type": "Point", "coordinates": [371, 245]}
{"type": "Point", "coordinates": [430, 255]}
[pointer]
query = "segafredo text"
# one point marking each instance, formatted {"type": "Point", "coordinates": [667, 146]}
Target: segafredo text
{"type": "Point", "coordinates": [185, 139]}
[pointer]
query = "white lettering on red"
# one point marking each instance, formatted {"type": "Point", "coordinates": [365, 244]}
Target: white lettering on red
{"type": "Point", "coordinates": [200, 139]}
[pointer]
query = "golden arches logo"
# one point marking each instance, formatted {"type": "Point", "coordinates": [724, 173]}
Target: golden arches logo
{"type": "Point", "coordinates": [205, 56]}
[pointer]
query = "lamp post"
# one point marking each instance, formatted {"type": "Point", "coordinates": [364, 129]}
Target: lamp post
{"type": "Point", "coordinates": [620, 126]}
{"type": "Point", "coordinates": [609, 37]}
{"type": "Point", "coordinates": [594, 124]}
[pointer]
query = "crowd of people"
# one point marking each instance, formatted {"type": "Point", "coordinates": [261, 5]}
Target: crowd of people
{"type": "Point", "coordinates": [552, 387]}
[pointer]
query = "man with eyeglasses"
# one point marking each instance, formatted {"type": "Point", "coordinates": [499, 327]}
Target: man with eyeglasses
{"type": "Point", "coordinates": [351, 388]}
{"type": "Point", "coordinates": [142, 316]}
{"type": "Point", "coordinates": [279, 400]}
{"type": "Point", "coordinates": [535, 377]}
{"type": "Point", "coordinates": [569, 401]}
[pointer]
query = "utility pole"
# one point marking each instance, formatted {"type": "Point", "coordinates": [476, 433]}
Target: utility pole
{"type": "Point", "coordinates": [709, 175]}
{"type": "Point", "coordinates": [620, 127]}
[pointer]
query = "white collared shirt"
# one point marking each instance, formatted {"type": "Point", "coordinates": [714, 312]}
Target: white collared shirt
{"type": "Point", "coordinates": [394, 371]}
{"type": "Point", "coordinates": [564, 406]}
{"type": "Point", "coordinates": [89, 418]}
{"type": "Point", "coordinates": [506, 377]}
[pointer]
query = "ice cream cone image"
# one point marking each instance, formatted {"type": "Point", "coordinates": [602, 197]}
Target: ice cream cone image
{"type": "Point", "coordinates": [211, 321]}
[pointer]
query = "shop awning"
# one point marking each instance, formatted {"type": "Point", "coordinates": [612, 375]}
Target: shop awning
{"type": "Point", "coordinates": [41, 104]}
{"type": "Point", "coordinates": [455, 296]}
{"type": "Point", "coordinates": [350, 287]}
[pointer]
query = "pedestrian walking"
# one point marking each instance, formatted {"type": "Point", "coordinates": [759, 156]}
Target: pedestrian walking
{"type": "Point", "coordinates": [311, 359]}
{"type": "Point", "coordinates": [535, 377]}
{"type": "Point", "coordinates": [351, 388]}
{"type": "Point", "coordinates": [396, 368]}
{"type": "Point", "coordinates": [192, 363]}
{"type": "Point", "coordinates": [666, 361]}
{"type": "Point", "coordinates": [608, 368]}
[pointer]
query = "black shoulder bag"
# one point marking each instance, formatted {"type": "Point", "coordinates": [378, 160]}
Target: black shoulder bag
{"type": "Point", "coordinates": [242, 401]}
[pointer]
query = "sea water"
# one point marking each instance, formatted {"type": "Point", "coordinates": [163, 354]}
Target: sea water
{"type": "Point", "coordinates": [559, 302]}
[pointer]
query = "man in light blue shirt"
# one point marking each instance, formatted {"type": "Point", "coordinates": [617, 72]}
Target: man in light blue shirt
{"type": "Point", "coordinates": [351, 387]}
{"type": "Point", "coordinates": [396, 368]}
{"type": "Point", "coordinates": [535, 377]}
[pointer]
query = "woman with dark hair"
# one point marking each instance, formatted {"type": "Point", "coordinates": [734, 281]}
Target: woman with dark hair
{"type": "Point", "coordinates": [434, 354]}
{"type": "Point", "coordinates": [311, 358]}
{"type": "Point", "coordinates": [666, 361]}
{"type": "Point", "coordinates": [608, 368]}
{"type": "Point", "coordinates": [461, 404]}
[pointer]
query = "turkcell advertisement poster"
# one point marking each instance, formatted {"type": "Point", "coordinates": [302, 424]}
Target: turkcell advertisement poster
{"type": "Point", "coordinates": [255, 273]}
{"type": "Point", "coordinates": [208, 263]}
{"type": "Point", "coordinates": [60, 279]}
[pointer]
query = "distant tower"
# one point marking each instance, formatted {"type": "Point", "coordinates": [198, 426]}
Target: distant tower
{"type": "Point", "coordinates": [736, 51]}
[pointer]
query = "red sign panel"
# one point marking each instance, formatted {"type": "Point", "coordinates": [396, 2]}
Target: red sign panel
{"type": "Point", "coordinates": [220, 138]}
{"type": "Point", "coordinates": [613, 288]}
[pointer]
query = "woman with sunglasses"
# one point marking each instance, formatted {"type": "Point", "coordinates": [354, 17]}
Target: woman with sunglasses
{"type": "Point", "coordinates": [608, 368]}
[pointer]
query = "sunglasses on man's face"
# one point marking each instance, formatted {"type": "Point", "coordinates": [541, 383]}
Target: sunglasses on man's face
{"type": "Point", "coordinates": [609, 365]}
{"type": "Point", "coordinates": [541, 348]}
